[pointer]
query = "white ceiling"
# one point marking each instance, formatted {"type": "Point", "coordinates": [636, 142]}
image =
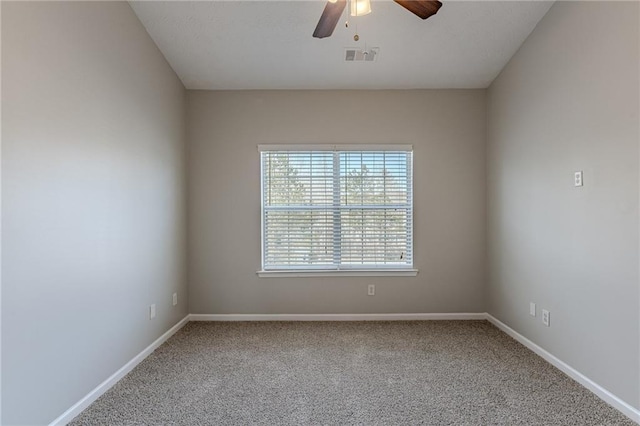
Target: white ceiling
{"type": "Point", "coordinates": [268, 44]}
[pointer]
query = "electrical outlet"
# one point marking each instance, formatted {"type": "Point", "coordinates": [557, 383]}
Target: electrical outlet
{"type": "Point", "coordinates": [175, 299]}
{"type": "Point", "coordinates": [532, 309]}
{"type": "Point", "coordinates": [577, 178]}
{"type": "Point", "coordinates": [546, 317]}
{"type": "Point", "coordinates": [371, 290]}
{"type": "Point", "coordinates": [152, 311]}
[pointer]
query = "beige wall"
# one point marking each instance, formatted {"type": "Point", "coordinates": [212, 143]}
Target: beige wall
{"type": "Point", "coordinates": [447, 130]}
{"type": "Point", "coordinates": [93, 200]}
{"type": "Point", "coordinates": [568, 101]}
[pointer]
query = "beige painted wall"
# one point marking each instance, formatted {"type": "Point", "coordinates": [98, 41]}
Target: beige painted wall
{"type": "Point", "coordinates": [93, 200]}
{"type": "Point", "coordinates": [568, 101]}
{"type": "Point", "coordinates": [447, 129]}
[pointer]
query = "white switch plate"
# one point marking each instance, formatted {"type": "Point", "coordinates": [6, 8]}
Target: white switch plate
{"type": "Point", "coordinates": [532, 309]}
{"type": "Point", "coordinates": [152, 311]}
{"type": "Point", "coordinates": [175, 299]}
{"type": "Point", "coordinates": [546, 317]}
{"type": "Point", "coordinates": [577, 178]}
{"type": "Point", "coordinates": [371, 290]}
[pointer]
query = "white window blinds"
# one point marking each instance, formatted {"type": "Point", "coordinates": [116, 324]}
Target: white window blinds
{"type": "Point", "coordinates": [337, 209]}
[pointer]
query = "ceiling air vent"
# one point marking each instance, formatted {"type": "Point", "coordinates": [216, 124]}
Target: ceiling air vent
{"type": "Point", "coordinates": [359, 55]}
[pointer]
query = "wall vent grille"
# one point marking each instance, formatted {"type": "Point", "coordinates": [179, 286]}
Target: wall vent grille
{"type": "Point", "coordinates": [353, 54]}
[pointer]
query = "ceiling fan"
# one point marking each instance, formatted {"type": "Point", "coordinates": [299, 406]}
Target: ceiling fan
{"type": "Point", "coordinates": [334, 8]}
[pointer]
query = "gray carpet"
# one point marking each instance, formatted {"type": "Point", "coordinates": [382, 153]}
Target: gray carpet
{"type": "Point", "coordinates": [342, 373]}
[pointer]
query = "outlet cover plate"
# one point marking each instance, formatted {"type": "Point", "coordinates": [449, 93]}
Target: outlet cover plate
{"type": "Point", "coordinates": [546, 317]}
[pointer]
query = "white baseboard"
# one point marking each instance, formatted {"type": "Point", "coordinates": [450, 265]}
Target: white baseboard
{"type": "Point", "coordinates": [602, 393]}
{"type": "Point", "coordinates": [336, 317]}
{"type": "Point", "coordinates": [78, 407]}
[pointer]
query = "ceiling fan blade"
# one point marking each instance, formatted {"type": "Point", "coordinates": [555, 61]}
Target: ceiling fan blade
{"type": "Point", "coordinates": [421, 8]}
{"type": "Point", "coordinates": [329, 19]}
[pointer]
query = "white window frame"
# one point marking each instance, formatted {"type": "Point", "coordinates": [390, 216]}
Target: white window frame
{"type": "Point", "coordinates": [367, 271]}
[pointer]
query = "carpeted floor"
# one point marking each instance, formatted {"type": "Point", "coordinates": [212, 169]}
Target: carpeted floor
{"type": "Point", "coordinates": [342, 373]}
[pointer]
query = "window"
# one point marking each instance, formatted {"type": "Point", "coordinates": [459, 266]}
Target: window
{"type": "Point", "coordinates": [337, 208]}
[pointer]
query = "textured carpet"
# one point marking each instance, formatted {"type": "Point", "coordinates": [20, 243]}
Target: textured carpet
{"type": "Point", "coordinates": [341, 373]}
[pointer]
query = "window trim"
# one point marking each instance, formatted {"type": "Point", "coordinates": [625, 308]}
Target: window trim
{"type": "Point", "coordinates": [300, 273]}
{"type": "Point", "coordinates": [345, 270]}
{"type": "Point", "coordinates": [336, 147]}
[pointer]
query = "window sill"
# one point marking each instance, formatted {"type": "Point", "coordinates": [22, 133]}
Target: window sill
{"type": "Point", "coordinates": [341, 273]}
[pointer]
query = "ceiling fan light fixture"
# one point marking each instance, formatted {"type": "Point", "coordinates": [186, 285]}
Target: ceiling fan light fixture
{"type": "Point", "coordinates": [360, 7]}
{"type": "Point", "coordinates": [334, 9]}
